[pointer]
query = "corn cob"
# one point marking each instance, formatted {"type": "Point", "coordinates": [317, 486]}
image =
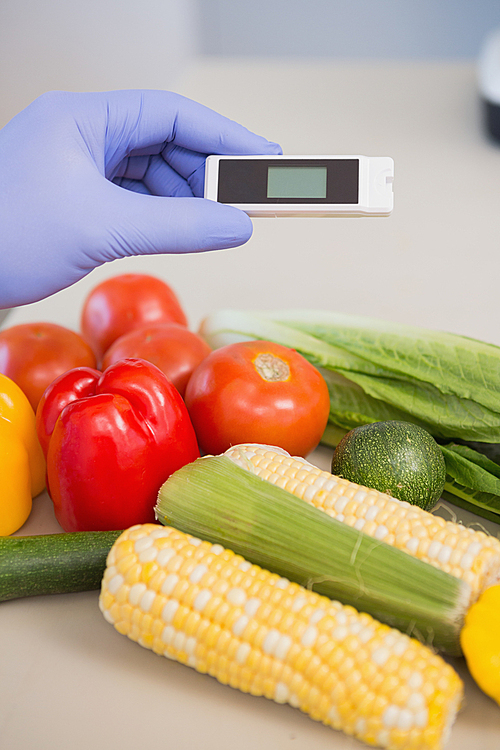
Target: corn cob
{"type": "Point", "coordinates": [204, 606]}
{"type": "Point", "coordinates": [215, 499]}
{"type": "Point", "coordinates": [467, 554]}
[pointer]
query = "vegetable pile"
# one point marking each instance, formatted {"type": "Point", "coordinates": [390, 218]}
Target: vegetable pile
{"type": "Point", "coordinates": [112, 435]}
{"type": "Point", "coordinates": [378, 371]}
{"type": "Point", "coordinates": [328, 591]}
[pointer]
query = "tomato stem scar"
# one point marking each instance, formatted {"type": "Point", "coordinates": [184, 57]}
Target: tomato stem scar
{"type": "Point", "coordinates": [271, 368]}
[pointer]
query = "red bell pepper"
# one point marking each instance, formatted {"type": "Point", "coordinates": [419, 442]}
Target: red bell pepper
{"type": "Point", "coordinates": [111, 439]}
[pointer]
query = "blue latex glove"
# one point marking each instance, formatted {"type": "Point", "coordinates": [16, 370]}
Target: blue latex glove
{"type": "Point", "coordinates": [64, 163]}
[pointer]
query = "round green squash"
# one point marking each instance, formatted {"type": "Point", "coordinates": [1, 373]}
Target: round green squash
{"type": "Point", "coordinates": [395, 457]}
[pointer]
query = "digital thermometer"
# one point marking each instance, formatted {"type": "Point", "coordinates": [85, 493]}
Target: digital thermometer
{"type": "Point", "coordinates": [302, 185]}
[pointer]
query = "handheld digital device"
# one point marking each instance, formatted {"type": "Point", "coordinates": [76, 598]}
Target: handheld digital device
{"type": "Point", "coordinates": [302, 185]}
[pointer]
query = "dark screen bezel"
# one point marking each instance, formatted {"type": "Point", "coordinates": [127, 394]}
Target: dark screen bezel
{"type": "Point", "coordinates": [244, 181]}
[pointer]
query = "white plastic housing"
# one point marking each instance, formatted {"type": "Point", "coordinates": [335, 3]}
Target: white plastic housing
{"type": "Point", "coordinates": [375, 194]}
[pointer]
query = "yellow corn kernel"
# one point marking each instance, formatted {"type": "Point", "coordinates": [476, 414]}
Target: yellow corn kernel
{"type": "Point", "coordinates": [282, 641]}
{"type": "Point", "coordinates": [470, 555]}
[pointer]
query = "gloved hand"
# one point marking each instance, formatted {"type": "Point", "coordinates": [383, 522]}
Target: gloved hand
{"type": "Point", "coordinates": [64, 163]}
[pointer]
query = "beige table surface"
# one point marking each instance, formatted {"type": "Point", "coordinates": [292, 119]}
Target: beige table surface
{"type": "Point", "coordinates": [67, 679]}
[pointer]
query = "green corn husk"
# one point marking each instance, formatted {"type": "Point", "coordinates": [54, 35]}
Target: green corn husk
{"type": "Point", "coordinates": [216, 500]}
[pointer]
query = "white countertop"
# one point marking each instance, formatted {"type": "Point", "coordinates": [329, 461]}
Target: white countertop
{"type": "Point", "coordinates": [67, 679]}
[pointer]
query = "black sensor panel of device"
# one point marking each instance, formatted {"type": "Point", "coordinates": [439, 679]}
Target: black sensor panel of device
{"type": "Point", "coordinates": [248, 181]}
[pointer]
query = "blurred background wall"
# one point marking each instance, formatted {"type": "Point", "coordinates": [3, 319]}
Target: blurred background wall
{"type": "Point", "coordinates": [384, 29]}
{"type": "Point", "coordinates": [106, 44]}
{"type": "Point", "coordinates": [93, 45]}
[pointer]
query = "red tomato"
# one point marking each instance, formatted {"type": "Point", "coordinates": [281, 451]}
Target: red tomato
{"type": "Point", "coordinates": [34, 354]}
{"type": "Point", "coordinates": [257, 392]}
{"type": "Point", "coordinates": [125, 302]}
{"type": "Point", "coordinates": [174, 349]}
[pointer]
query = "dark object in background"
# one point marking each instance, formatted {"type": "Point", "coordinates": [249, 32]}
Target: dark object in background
{"type": "Point", "coordinates": [492, 119]}
{"type": "Point", "coordinates": [489, 83]}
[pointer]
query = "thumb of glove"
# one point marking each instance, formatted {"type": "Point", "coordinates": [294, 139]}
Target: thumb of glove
{"type": "Point", "coordinates": [137, 224]}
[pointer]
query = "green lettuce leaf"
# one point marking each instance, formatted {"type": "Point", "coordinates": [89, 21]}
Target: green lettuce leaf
{"type": "Point", "coordinates": [474, 456]}
{"type": "Point", "coordinates": [445, 415]}
{"type": "Point", "coordinates": [351, 406]}
{"type": "Point", "coordinates": [472, 481]}
{"type": "Point", "coordinates": [454, 364]}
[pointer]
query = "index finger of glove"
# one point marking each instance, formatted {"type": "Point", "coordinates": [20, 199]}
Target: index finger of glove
{"type": "Point", "coordinates": [139, 119]}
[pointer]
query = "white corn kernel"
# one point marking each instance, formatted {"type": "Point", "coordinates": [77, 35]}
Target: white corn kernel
{"type": "Point", "coordinates": [169, 584]}
{"type": "Point", "coordinates": [169, 610]}
{"type": "Point", "coordinates": [243, 652]}
{"type": "Point", "coordinates": [115, 583]}
{"type": "Point", "coordinates": [281, 693]}
{"type": "Point", "coordinates": [415, 702]}
{"type": "Point", "coordinates": [380, 655]}
{"type": "Point", "coordinates": [316, 616]}
{"type": "Point", "coordinates": [298, 603]}
{"type": "Point", "coordinates": [390, 716]}
{"type": "Point", "coordinates": [148, 555]}
{"type": "Point", "coordinates": [271, 641]}
{"type": "Point", "coordinates": [240, 625]}
{"type": "Point", "coordinates": [282, 647]}
{"type": "Point", "coordinates": [144, 542]}
{"type": "Point", "coordinates": [444, 554]}
{"type": "Point", "coordinates": [309, 636]}
{"type": "Point", "coordinates": [164, 556]}
{"type": "Point", "coordinates": [421, 718]}
{"type": "Point", "coordinates": [434, 550]}
{"type": "Point", "coordinates": [412, 545]}
{"type": "Point", "coordinates": [197, 573]}
{"type": "Point", "coordinates": [135, 594]}
{"type": "Point", "coordinates": [147, 600]}
{"type": "Point", "coordinates": [381, 532]}
{"type": "Point", "coordinates": [236, 597]}
{"type": "Point", "coordinates": [405, 720]}
{"type": "Point", "coordinates": [415, 681]}
{"type": "Point", "coordinates": [202, 599]}
{"type": "Point", "coordinates": [252, 605]}
{"type": "Point", "coordinates": [340, 632]}
{"type": "Point", "coordinates": [168, 635]}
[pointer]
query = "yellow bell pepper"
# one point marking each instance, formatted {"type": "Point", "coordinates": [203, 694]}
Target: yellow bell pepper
{"type": "Point", "coordinates": [22, 464]}
{"type": "Point", "coordinates": [480, 640]}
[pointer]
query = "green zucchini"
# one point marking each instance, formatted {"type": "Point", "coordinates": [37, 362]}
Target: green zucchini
{"type": "Point", "coordinates": [396, 457]}
{"type": "Point", "coordinates": [53, 563]}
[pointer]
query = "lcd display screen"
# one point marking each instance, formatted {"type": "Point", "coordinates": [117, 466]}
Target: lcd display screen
{"type": "Point", "coordinates": [296, 182]}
